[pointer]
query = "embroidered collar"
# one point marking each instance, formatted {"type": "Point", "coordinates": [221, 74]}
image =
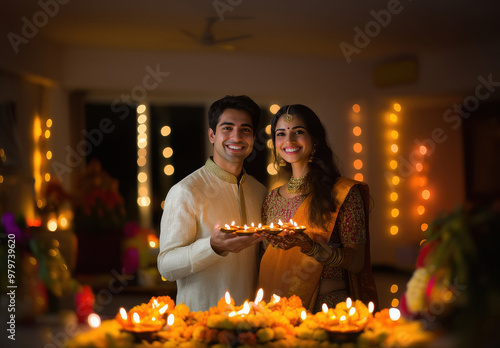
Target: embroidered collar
{"type": "Point", "coordinates": [213, 168]}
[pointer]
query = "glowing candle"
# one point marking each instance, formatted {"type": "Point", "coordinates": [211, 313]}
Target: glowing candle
{"type": "Point", "coordinates": [94, 320]}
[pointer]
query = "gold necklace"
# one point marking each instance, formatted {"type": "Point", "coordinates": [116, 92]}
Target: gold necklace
{"type": "Point", "coordinates": [295, 185]}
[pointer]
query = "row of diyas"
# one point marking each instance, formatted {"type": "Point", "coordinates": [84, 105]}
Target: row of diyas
{"type": "Point", "coordinates": [271, 228]}
{"type": "Point", "coordinates": [147, 317]}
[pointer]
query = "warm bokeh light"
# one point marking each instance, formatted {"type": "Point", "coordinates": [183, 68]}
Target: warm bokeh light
{"type": "Point", "coordinates": [426, 194]}
{"type": "Point", "coordinates": [393, 164]}
{"type": "Point", "coordinates": [141, 108]}
{"type": "Point", "coordinates": [165, 130]}
{"type": "Point", "coordinates": [393, 117]}
{"type": "Point", "coordinates": [419, 167]}
{"type": "Point", "coordinates": [424, 227]}
{"type": "Point", "coordinates": [143, 201]}
{"type": "Point", "coordinates": [394, 288]}
{"type": "Point", "coordinates": [142, 177]}
{"type": "Point", "coordinates": [268, 129]}
{"type": "Point", "coordinates": [271, 170]}
{"type": "Point", "coordinates": [52, 225]}
{"type": "Point", "coordinates": [356, 108]}
{"type": "Point", "coordinates": [143, 191]}
{"type": "Point", "coordinates": [142, 128]}
{"type": "Point", "coordinates": [274, 108]}
{"type": "Point", "coordinates": [48, 155]}
{"type": "Point", "coordinates": [169, 169]}
{"type": "Point", "coordinates": [270, 143]}
{"type": "Point", "coordinates": [394, 148]}
{"type": "Point", "coordinates": [395, 180]}
{"type": "Point", "coordinates": [142, 152]}
{"type": "Point", "coordinates": [394, 134]}
{"type": "Point", "coordinates": [47, 177]}
{"type": "Point", "coordinates": [168, 152]}
{"type": "Point", "coordinates": [48, 123]}
{"type": "Point", "coordinates": [395, 302]}
{"type": "Point", "coordinates": [397, 107]}
{"type": "Point", "coordinates": [358, 164]}
{"type": "Point", "coordinates": [421, 210]}
{"type": "Point", "coordinates": [423, 241]}
{"type": "Point", "coordinates": [356, 131]}
{"type": "Point", "coordinates": [358, 177]}
{"type": "Point", "coordinates": [394, 212]}
{"type": "Point", "coordinates": [47, 134]}
{"type": "Point", "coordinates": [1, 179]}
{"type": "Point", "coordinates": [422, 149]}
{"type": "Point", "coordinates": [394, 230]}
{"type": "Point", "coordinates": [422, 181]}
{"type": "Point", "coordinates": [358, 147]}
{"type": "Point", "coordinates": [141, 161]}
{"type": "Point", "coordinates": [142, 119]}
{"type": "Point", "coordinates": [394, 196]}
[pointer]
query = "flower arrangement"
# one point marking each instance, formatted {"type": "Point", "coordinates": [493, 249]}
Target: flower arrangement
{"type": "Point", "coordinates": [456, 283]}
{"type": "Point", "coordinates": [282, 322]}
{"type": "Point", "coordinates": [98, 204]}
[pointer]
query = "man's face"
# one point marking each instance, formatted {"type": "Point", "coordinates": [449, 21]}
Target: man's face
{"type": "Point", "coordinates": [233, 138]}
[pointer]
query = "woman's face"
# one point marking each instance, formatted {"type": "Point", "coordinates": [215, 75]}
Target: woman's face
{"type": "Point", "coordinates": [293, 141]}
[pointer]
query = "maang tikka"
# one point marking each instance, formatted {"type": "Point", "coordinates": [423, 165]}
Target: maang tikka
{"type": "Point", "coordinates": [287, 118]}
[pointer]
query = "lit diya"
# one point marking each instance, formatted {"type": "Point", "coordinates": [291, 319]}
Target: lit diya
{"type": "Point", "coordinates": [248, 230]}
{"type": "Point", "coordinates": [230, 228]}
{"type": "Point", "coordinates": [272, 229]}
{"type": "Point", "coordinates": [142, 321]}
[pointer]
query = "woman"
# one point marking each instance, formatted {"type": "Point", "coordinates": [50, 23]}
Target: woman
{"type": "Point", "coordinates": [332, 261]}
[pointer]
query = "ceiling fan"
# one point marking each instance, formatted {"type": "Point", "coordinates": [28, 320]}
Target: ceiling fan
{"type": "Point", "coordinates": [207, 38]}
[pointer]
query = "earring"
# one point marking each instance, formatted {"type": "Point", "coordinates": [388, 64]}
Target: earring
{"type": "Point", "coordinates": [311, 156]}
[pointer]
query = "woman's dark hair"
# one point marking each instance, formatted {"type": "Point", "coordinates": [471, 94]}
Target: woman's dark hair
{"type": "Point", "coordinates": [323, 171]}
{"type": "Point", "coordinates": [240, 102]}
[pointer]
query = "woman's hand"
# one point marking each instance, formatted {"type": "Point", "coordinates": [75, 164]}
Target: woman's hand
{"type": "Point", "coordinates": [290, 239]}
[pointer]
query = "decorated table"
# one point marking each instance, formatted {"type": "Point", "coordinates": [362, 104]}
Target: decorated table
{"type": "Point", "coordinates": [281, 322]}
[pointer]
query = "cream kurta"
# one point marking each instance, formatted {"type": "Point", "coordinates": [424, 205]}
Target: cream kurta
{"type": "Point", "coordinates": [208, 197]}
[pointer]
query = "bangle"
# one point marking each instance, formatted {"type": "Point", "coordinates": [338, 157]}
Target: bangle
{"type": "Point", "coordinates": [313, 251]}
{"type": "Point", "coordinates": [336, 258]}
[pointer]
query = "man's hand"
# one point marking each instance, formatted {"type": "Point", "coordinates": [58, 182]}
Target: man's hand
{"type": "Point", "coordinates": [223, 242]}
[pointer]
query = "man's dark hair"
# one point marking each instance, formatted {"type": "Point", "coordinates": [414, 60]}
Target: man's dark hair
{"type": "Point", "coordinates": [240, 102]}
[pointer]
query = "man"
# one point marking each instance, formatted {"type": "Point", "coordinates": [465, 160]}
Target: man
{"type": "Point", "coordinates": [204, 261]}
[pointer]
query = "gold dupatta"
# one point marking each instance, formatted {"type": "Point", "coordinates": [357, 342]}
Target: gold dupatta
{"type": "Point", "coordinates": [290, 272]}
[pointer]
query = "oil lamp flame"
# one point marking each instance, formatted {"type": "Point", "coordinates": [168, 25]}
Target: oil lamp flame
{"type": "Point", "coordinates": [276, 298]}
{"type": "Point", "coordinates": [163, 309]}
{"type": "Point", "coordinates": [155, 303]}
{"type": "Point", "coordinates": [227, 297]}
{"type": "Point", "coordinates": [394, 314]}
{"type": "Point", "coordinates": [352, 311]}
{"type": "Point", "coordinates": [343, 319]}
{"type": "Point", "coordinates": [227, 226]}
{"type": "Point", "coordinates": [303, 315]}
{"type": "Point", "coordinates": [232, 223]}
{"type": "Point", "coordinates": [371, 307]}
{"type": "Point", "coordinates": [245, 309]}
{"type": "Point", "coordinates": [170, 320]}
{"type": "Point", "coordinates": [348, 302]}
{"type": "Point", "coordinates": [260, 296]}
{"type": "Point", "coordinates": [123, 313]}
{"type": "Point", "coordinates": [136, 319]}
{"type": "Point", "coordinates": [324, 308]}
{"type": "Point", "coordinates": [94, 320]}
